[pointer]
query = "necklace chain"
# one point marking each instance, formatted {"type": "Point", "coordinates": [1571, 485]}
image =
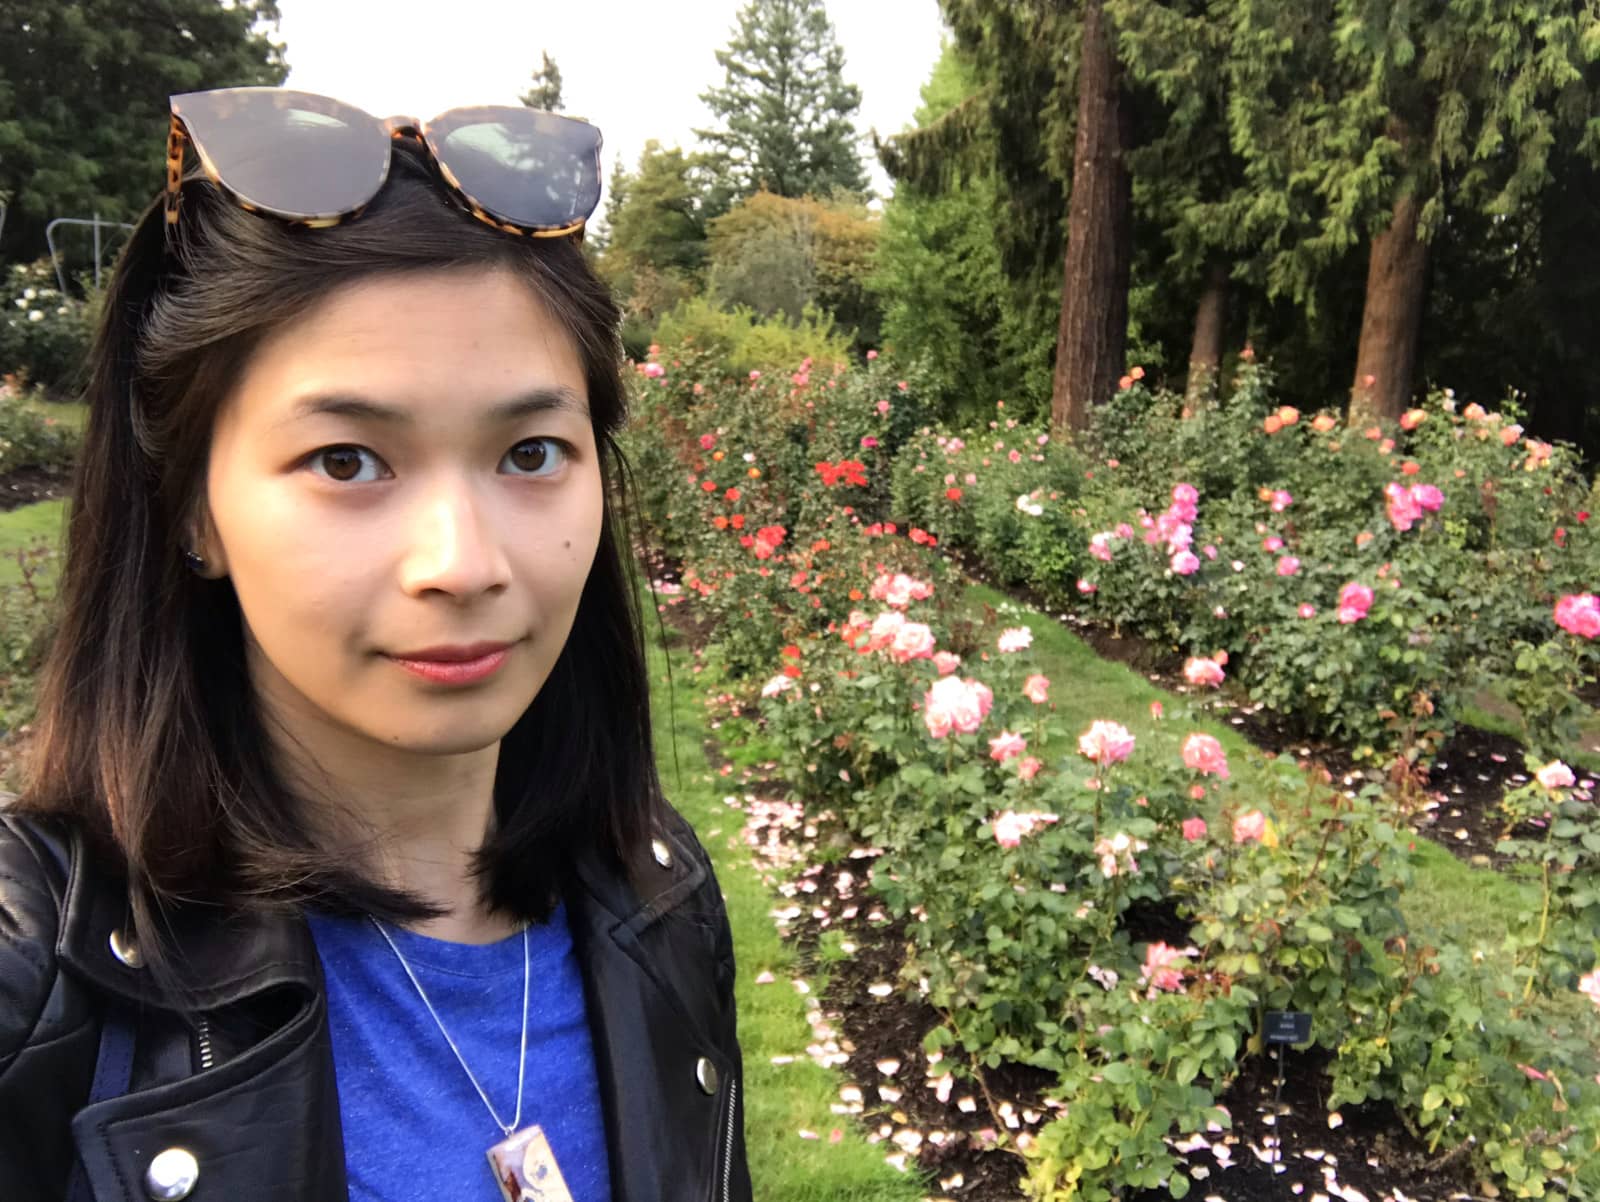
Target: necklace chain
{"type": "Point", "coordinates": [522, 1055]}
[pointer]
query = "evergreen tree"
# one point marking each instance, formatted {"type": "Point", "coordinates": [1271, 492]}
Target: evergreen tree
{"type": "Point", "coordinates": [83, 98]}
{"type": "Point", "coordinates": [545, 91]}
{"type": "Point", "coordinates": [784, 106]}
{"type": "Point", "coordinates": [1368, 124]}
{"type": "Point", "coordinates": [656, 220]}
{"type": "Point", "coordinates": [947, 299]}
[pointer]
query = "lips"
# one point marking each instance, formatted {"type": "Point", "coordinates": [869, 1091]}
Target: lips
{"type": "Point", "coordinates": [456, 664]}
{"type": "Point", "coordinates": [451, 654]}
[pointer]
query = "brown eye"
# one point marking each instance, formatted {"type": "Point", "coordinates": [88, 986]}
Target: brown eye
{"type": "Point", "coordinates": [347, 465]}
{"type": "Point", "coordinates": [535, 457]}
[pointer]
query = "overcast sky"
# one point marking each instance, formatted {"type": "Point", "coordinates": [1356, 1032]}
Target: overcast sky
{"type": "Point", "coordinates": [635, 68]}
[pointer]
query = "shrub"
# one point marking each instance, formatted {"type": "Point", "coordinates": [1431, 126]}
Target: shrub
{"type": "Point", "coordinates": [741, 341]}
{"type": "Point", "coordinates": [44, 336]}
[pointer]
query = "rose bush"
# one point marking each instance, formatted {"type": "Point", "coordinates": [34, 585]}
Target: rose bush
{"type": "Point", "coordinates": [1369, 580]}
{"type": "Point", "coordinates": [1118, 914]}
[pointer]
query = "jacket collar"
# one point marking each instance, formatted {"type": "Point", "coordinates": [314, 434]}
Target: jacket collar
{"type": "Point", "coordinates": [228, 955]}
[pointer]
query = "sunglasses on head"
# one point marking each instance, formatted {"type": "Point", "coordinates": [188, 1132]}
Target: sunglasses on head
{"type": "Point", "coordinates": [317, 162]}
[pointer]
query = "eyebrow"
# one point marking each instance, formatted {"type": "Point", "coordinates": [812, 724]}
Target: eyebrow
{"type": "Point", "coordinates": [558, 399]}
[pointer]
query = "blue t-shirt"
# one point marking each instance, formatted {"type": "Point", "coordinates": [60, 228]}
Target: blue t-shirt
{"type": "Point", "coordinates": [415, 1129]}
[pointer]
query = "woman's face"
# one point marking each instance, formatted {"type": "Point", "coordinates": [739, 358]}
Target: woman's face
{"type": "Point", "coordinates": [404, 490]}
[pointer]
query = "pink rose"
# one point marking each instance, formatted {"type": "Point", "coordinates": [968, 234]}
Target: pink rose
{"type": "Point", "coordinates": [1556, 775]}
{"type": "Point", "coordinates": [1402, 506]}
{"type": "Point", "coordinates": [1028, 767]}
{"type": "Point", "coordinates": [1005, 745]}
{"type": "Point", "coordinates": [1354, 602]}
{"type": "Point", "coordinates": [1011, 828]}
{"type": "Point", "coordinates": [954, 703]}
{"type": "Point", "coordinates": [1194, 829]}
{"type": "Point", "coordinates": [1100, 546]}
{"type": "Point", "coordinates": [1185, 563]}
{"type": "Point", "coordinates": [1088, 588]}
{"type": "Point", "coordinates": [1427, 496]}
{"type": "Point", "coordinates": [912, 641]}
{"type": "Point", "coordinates": [1272, 543]}
{"type": "Point", "coordinates": [1185, 495]}
{"type": "Point", "coordinates": [1589, 986]}
{"type": "Point", "coordinates": [707, 441]}
{"type": "Point", "coordinates": [1288, 566]}
{"type": "Point", "coordinates": [1307, 610]}
{"type": "Point", "coordinates": [1037, 688]}
{"type": "Point", "coordinates": [1202, 671]}
{"type": "Point", "coordinates": [1249, 828]}
{"type": "Point", "coordinates": [946, 661]}
{"type": "Point", "coordinates": [1579, 613]}
{"type": "Point", "coordinates": [777, 685]}
{"type": "Point", "coordinates": [1205, 755]}
{"type": "Point", "coordinates": [1164, 967]}
{"type": "Point", "coordinates": [1106, 743]}
{"type": "Point", "coordinates": [883, 630]}
{"type": "Point", "coordinates": [1281, 500]}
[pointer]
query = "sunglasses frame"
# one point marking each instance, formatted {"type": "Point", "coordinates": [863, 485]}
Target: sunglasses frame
{"type": "Point", "coordinates": [397, 128]}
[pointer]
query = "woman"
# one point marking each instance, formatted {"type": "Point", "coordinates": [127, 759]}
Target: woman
{"type": "Point", "coordinates": [342, 869]}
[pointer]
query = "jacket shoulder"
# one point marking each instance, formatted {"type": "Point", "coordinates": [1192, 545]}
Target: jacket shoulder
{"type": "Point", "coordinates": [35, 856]}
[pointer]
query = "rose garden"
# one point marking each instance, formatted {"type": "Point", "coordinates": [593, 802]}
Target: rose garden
{"type": "Point", "coordinates": [1143, 757]}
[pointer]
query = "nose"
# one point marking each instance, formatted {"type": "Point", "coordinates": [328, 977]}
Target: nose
{"type": "Point", "coordinates": [453, 544]}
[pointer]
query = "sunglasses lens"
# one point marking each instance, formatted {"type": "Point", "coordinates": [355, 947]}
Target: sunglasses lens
{"type": "Point", "coordinates": [531, 169]}
{"type": "Point", "coordinates": [289, 153]}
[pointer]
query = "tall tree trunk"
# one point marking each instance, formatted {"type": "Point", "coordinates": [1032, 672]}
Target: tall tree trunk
{"type": "Point", "coordinates": [1391, 319]}
{"type": "Point", "coordinates": [1205, 354]}
{"type": "Point", "coordinates": [1092, 336]}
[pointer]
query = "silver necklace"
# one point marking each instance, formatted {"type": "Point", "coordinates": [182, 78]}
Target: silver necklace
{"type": "Point", "coordinates": [522, 1055]}
{"type": "Point", "coordinates": [523, 1164]}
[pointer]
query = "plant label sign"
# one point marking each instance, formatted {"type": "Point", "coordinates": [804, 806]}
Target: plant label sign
{"type": "Point", "coordinates": [1288, 1026]}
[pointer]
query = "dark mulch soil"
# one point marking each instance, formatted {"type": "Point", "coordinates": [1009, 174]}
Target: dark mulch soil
{"type": "Point", "coordinates": [1282, 1143]}
{"type": "Point", "coordinates": [26, 485]}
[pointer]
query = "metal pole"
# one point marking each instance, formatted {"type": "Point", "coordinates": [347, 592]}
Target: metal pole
{"type": "Point", "coordinates": [97, 251]}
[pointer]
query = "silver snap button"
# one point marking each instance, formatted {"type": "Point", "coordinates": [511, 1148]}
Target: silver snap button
{"type": "Point", "coordinates": [706, 1073]}
{"type": "Point", "coordinates": [662, 852]}
{"type": "Point", "coordinates": [171, 1175]}
{"type": "Point", "coordinates": [126, 950]}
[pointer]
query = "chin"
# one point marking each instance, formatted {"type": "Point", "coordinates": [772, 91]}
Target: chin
{"type": "Point", "coordinates": [473, 734]}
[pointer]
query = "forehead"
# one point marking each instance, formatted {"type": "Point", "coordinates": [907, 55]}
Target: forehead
{"type": "Point", "coordinates": [444, 340]}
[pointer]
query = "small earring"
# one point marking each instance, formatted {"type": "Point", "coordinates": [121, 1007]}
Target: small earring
{"type": "Point", "coordinates": [196, 564]}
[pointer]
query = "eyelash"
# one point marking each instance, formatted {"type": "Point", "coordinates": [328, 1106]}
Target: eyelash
{"type": "Point", "coordinates": [562, 449]}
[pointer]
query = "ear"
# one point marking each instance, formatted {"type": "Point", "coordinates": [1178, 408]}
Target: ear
{"type": "Point", "coordinates": [204, 541]}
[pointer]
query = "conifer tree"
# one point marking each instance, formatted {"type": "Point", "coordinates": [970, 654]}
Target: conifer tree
{"type": "Point", "coordinates": [83, 98]}
{"type": "Point", "coordinates": [545, 91]}
{"type": "Point", "coordinates": [784, 106]}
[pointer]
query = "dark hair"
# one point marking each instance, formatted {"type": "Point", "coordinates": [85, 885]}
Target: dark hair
{"type": "Point", "coordinates": [166, 765]}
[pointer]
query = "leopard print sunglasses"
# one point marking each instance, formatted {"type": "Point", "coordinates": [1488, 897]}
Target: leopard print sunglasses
{"type": "Point", "coordinates": [316, 162]}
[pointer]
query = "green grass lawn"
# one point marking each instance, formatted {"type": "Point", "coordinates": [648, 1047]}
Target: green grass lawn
{"type": "Point", "coordinates": [27, 527]}
{"type": "Point", "coordinates": [781, 1100]}
{"type": "Point", "coordinates": [69, 413]}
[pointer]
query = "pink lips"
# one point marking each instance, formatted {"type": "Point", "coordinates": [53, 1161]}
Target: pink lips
{"type": "Point", "coordinates": [455, 665]}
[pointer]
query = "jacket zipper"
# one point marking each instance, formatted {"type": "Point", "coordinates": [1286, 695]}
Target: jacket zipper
{"type": "Point", "coordinates": [727, 1154]}
{"type": "Point", "coordinates": [204, 1036]}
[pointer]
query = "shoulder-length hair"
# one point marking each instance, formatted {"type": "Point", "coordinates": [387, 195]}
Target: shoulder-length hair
{"type": "Point", "coordinates": [148, 733]}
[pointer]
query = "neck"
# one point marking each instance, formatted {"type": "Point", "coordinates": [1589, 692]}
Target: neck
{"type": "Point", "coordinates": [413, 820]}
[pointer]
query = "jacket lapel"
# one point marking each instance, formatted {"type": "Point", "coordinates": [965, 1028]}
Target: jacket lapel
{"type": "Point", "coordinates": [646, 962]}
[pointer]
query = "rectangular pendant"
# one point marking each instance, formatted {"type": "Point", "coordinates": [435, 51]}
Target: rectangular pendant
{"type": "Point", "coordinates": [525, 1168]}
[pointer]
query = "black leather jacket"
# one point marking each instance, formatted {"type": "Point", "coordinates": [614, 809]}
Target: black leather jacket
{"type": "Point", "coordinates": [248, 1087]}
